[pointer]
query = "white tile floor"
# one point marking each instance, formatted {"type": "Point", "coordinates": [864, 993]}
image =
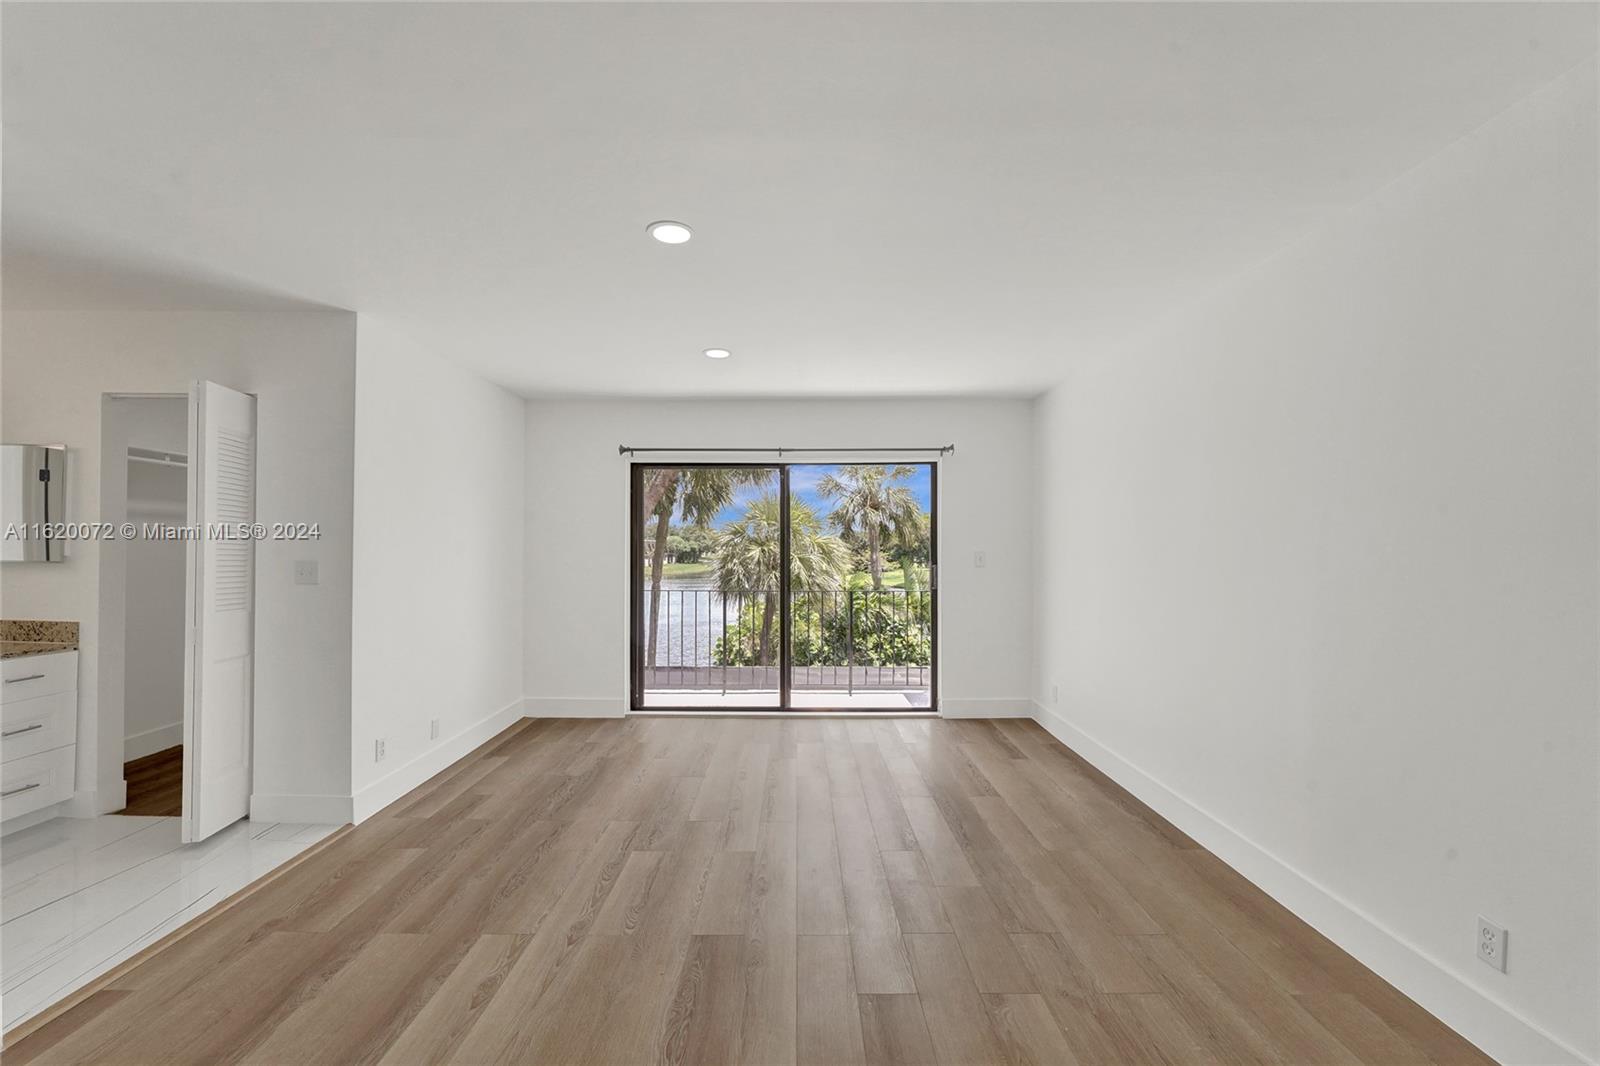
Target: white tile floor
{"type": "Point", "coordinates": [79, 895]}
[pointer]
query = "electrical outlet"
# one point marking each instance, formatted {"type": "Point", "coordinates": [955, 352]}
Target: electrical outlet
{"type": "Point", "coordinates": [1055, 693]}
{"type": "Point", "coordinates": [980, 559]}
{"type": "Point", "coordinates": [305, 572]}
{"type": "Point", "coordinates": [433, 729]}
{"type": "Point", "coordinates": [377, 750]}
{"type": "Point", "coordinates": [1491, 944]}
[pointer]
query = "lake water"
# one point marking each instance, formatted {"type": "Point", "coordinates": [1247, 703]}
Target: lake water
{"type": "Point", "coordinates": [691, 620]}
{"type": "Point", "coordinates": [692, 615]}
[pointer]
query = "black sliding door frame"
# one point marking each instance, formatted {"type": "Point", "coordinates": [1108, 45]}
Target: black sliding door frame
{"type": "Point", "coordinates": [636, 612]}
{"type": "Point", "coordinates": [785, 578]}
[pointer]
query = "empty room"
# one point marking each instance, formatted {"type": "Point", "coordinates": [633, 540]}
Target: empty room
{"type": "Point", "coordinates": [800, 533]}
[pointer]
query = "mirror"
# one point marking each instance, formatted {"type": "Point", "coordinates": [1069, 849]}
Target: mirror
{"type": "Point", "coordinates": [33, 495]}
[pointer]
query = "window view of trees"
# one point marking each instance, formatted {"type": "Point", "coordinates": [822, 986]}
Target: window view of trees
{"type": "Point", "coordinates": [745, 560]}
{"type": "Point", "coordinates": [859, 553]}
{"type": "Point", "coordinates": [871, 510]}
{"type": "Point", "coordinates": [688, 544]}
{"type": "Point", "coordinates": [697, 494]}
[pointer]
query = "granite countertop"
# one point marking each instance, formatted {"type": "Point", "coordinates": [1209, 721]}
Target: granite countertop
{"type": "Point", "coordinates": [19, 637]}
{"type": "Point", "coordinates": [16, 649]}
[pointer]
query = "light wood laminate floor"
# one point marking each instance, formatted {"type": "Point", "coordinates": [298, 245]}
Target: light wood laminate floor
{"type": "Point", "coordinates": [700, 890]}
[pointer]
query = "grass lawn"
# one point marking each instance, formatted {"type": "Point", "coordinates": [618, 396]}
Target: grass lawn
{"type": "Point", "coordinates": [686, 570]}
{"type": "Point", "coordinates": [892, 579]}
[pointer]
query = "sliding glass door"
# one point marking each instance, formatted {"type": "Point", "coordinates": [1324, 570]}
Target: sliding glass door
{"type": "Point", "coordinates": [860, 593]}
{"type": "Point", "coordinates": [707, 548]}
{"type": "Point", "coordinates": [783, 586]}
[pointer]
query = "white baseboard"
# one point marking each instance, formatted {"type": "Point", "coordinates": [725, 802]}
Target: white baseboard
{"type": "Point", "coordinates": [300, 809]}
{"type": "Point", "coordinates": [390, 787]}
{"type": "Point", "coordinates": [151, 741]}
{"type": "Point", "coordinates": [574, 707]}
{"type": "Point", "coordinates": [985, 708]}
{"type": "Point", "coordinates": [111, 796]}
{"type": "Point", "coordinates": [1496, 1029]}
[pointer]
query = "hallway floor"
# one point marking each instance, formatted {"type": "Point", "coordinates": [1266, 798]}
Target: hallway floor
{"type": "Point", "coordinates": [155, 784]}
{"type": "Point", "coordinates": [713, 890]}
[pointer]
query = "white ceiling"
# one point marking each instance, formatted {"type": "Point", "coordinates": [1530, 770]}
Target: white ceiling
{"type": "Point", "coordinates": [888, 199]}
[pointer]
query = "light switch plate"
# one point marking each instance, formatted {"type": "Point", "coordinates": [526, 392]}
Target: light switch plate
{"type": "Point", "coordinates": [305, 572]}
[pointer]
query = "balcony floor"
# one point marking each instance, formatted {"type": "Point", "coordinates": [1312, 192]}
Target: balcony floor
{"type": "Point", "coordinates": [814, 699]}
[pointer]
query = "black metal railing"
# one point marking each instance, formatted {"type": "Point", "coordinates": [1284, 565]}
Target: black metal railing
{"type": "Point", "coordinates": [840, 639]}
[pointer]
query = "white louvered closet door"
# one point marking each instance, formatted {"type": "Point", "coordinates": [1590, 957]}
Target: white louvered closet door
{"type": "Point", "coordinates": [219, 660]}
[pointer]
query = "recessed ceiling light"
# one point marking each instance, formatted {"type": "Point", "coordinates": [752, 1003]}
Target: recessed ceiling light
{"type": "Point", "coordinates": [668, 232]}
{"type": "Point", "coordinates": [717, 353]}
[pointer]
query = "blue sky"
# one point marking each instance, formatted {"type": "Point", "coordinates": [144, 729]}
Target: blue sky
{"type": "Point", "coordinates": [803, 480]}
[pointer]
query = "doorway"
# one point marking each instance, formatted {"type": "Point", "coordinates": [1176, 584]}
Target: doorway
{"type": "Point", "coordinates": [784, 587]}
{"type": "Point", "coordinates": [200, 742]}
{"type": "Point", "coordinates": [157, 483]}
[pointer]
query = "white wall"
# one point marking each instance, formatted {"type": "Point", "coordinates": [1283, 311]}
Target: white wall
{"type": "Point", "coordinates": [577, 543]}
{"type": "Point", "coordinates": [438, 616]}
{"type": "Point", "coordinates": [301, 365]}
{"type": "Point", "coordinates": [1319, 575]}
{"type": "Point", "coordinates": [160, 423]}
{"type": "Point", "coordinates": [153, 680]}
{"type": "Point", "coordinates": [156, 596]}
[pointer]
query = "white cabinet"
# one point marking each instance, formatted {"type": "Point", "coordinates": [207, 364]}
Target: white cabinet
{"type": "Point", "coordinates": [28, 676]}
{"type": "Point", "coordinates": [35, 782]}
{"type": "Point", "coordinates": [42, 723]}
{"type": "Point", "coordinates": [38, 731]}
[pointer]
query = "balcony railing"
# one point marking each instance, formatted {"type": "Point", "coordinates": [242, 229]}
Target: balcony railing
{"type": "Point", "coordinates": [849, 640]}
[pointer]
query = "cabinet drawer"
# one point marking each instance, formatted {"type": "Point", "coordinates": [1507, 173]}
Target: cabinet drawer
{"type": "Point", "coordinates": [36, 781]}
{"type": "Point", "coordinates": [28, 676]}
{"type": "Point", "coordinates": [28, 727]}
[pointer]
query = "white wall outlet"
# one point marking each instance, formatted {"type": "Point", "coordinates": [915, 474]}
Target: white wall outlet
{"type": "Point", "coordinates": [1055, 693]}
{"type": "Point", "coordinates": [1491, 944]}
{"type": "Point", "coordinates": [980, 559]}
{"type": "Point", "coordinates": [305, 572]}
{"type": "Point", "coordinates": [433, 729]}
{"type": "Point", "coordinates": [377, 750]}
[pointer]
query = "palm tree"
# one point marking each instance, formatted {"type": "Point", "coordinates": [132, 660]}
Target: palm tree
{"type": "Point", "coordinates": [912, 542]}
{"type": "Point", "coordinates": [746, 555]}
{"type": "Point", "coordinates": [872, 507]}
{"type": "Point", "coordinates": [697, 494]}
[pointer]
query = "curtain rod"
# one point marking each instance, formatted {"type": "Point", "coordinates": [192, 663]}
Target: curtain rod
{"type": "Point", "coordinates": [942, 449]}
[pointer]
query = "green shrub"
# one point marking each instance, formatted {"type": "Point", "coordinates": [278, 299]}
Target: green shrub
{"type": "Point", "coordinates": [886, 630]}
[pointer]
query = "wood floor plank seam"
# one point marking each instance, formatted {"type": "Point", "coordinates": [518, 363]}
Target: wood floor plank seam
{"type": "Point", "coordinates": [758, 891]}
